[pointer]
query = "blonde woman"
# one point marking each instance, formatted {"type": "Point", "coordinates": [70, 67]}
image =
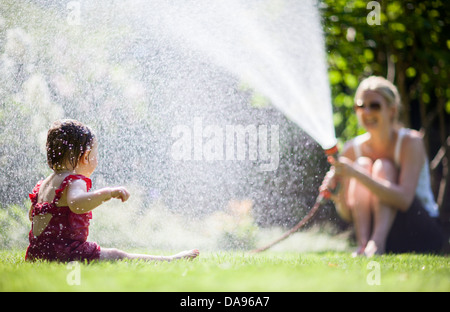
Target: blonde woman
{"type": "Point", "coordinates": [385, 180]}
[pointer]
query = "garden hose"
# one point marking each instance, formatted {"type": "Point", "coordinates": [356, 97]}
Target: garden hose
{"type": "Point", "coordinates": [321, 199]}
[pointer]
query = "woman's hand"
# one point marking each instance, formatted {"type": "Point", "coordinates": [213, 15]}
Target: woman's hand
{"type": "Point", "coordinates": [329, 181]}
{"type": "Point", "coordinates": [342, 167]}
{"type": "Point", "coordinates": [329, 184]}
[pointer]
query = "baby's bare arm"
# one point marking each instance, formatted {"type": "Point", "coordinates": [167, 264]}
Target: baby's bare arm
{"type": "Point", "coordinates": [80, 201]}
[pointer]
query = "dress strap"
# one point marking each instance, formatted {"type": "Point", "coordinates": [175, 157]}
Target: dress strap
{"type": "Point", "coordinates": [357, 141]}
{"type": "Point", "coordinates": [398, 146]}
{"type": "Point", "coordinates": [66, 181]}
{"type": "Point", "coordinates": [34, 194]}
{"type": "Point", "coordinates": [357, 149]}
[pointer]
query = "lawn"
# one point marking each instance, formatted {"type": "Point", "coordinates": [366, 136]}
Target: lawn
{"type": "Point", "coordinates": [233, 272]}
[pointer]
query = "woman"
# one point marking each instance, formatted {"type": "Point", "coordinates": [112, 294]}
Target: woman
{"type": "Point", "coordinates": [385, 185]}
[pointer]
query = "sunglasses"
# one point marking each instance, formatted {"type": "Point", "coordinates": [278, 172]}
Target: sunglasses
{"type": "Point", "coordinates": [373, 106]}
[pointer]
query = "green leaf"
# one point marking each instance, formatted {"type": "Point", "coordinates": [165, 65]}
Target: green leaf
{"type": "Point", "coordinates": [350, 80]}
{"type": "Point", "coordinates": [410, 72]}
{"type": "Point", "coordinates": [335, 77]}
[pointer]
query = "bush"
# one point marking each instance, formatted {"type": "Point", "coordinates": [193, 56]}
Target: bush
{"type": "Point", "coordinates": [14, 226]}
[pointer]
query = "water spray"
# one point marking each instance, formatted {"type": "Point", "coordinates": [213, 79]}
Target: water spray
{"type": "Point", "coordinates": [322, 198]}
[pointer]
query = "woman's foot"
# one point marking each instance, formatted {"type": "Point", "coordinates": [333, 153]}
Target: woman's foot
{"type": "Point", "coordinates": [358, 252]}
{"type": "Point", "coordinates": [373, 249]}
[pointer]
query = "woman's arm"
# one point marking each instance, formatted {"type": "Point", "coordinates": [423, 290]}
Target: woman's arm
{"type": "Point", "coordinates": [80, 201]}
{"type": "Point", "coordinates": [398, 195]}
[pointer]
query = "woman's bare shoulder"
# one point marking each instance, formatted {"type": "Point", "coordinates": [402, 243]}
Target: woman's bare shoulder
{"type": "Point", "coordinates": [413, 144]}
{"type": "Point", "coordinates": [349, 147]}
{"type": "Point", "coordinates": [414, 137]}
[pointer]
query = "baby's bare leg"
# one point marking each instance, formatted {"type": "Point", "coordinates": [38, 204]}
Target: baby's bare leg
{"type": "Point", "coordinates": [116, 254]}
{"type": "Point", "coordinates": [187, 254]}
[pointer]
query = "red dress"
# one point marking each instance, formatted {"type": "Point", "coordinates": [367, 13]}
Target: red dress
{"type": "Point", "coordinates": [64, 238]}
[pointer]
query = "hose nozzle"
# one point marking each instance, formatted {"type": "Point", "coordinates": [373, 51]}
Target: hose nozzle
{"type": "Point", "coordinates": [332, 151]}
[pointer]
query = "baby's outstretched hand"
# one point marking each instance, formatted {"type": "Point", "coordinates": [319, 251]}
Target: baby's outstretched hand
{"type": "Point", "coordinates": [120, 193]}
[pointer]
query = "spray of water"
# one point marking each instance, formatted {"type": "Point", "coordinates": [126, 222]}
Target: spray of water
{"type": "Point", "coordinates": [275, 46]}
{"type": "Point", "coordinates": [135, 71]}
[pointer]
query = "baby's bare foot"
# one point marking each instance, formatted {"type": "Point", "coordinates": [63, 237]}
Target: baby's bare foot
{"type": "Point", "coordinates": [187, 254]}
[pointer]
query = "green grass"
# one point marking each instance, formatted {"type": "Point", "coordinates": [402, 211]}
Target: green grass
{"type": "Point", "coordinates": [232, 271]}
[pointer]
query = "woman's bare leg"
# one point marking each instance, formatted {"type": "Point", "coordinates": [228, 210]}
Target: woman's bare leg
{"type": "Point", "coordinates": [383, 215]}
{"type": "Point", "coordinates": [116, 254]}
{"type": "Point", "coordinates": [360, 202]}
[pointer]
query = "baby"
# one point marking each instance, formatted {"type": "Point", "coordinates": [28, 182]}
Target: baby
{"type": "Point", "coordinates": [62, 204]}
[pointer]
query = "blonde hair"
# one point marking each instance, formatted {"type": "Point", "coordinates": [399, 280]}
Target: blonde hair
{"type": "Point", "coordinates": [383, 87]}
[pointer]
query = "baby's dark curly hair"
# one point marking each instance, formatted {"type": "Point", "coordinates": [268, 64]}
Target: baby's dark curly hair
{"type": "Point", "coordinates": [67, 141]}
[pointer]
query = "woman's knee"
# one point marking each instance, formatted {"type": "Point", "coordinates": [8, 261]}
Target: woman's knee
{"type": "Point", "coordinates": [358, 190]}
{"type": "Point", "coordinates": [358, 196]}
{"type": "Point", "coordinates": [384, 168]}
{"type": "Point", "coordinates": [365, 162]}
